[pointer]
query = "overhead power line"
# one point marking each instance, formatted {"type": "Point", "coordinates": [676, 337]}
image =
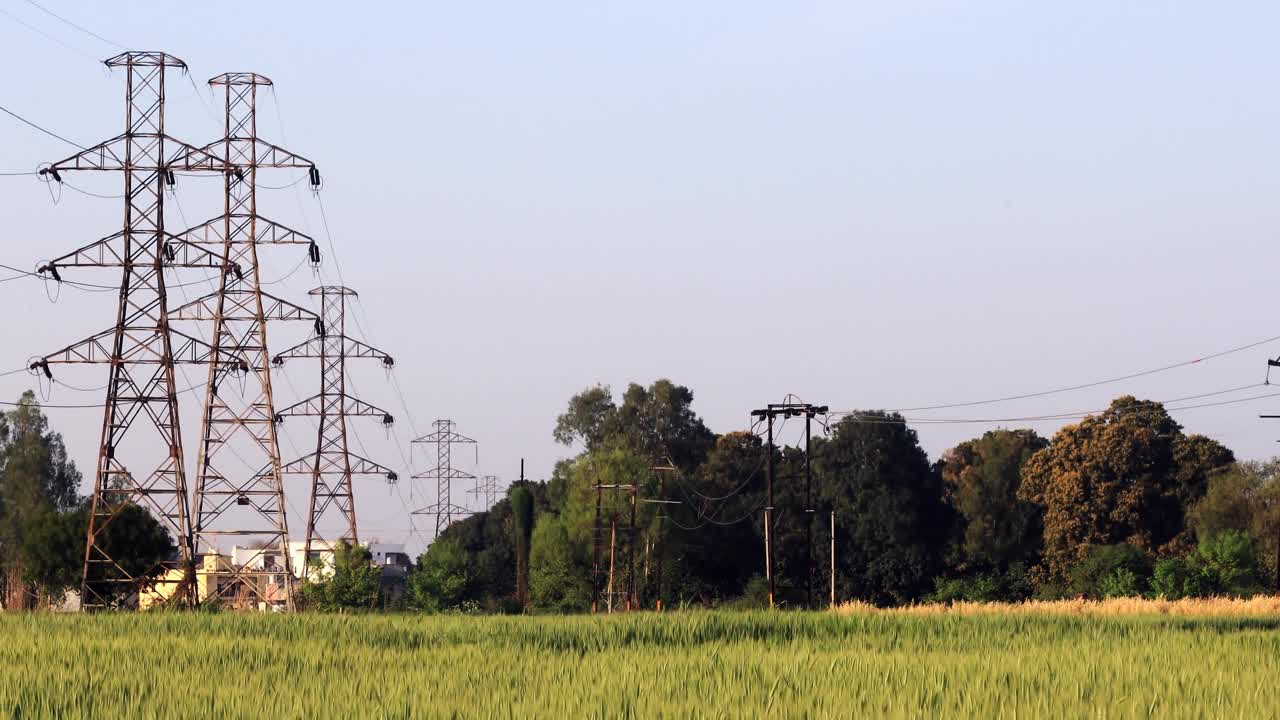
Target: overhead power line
{"type": "Point", "coordinates": [856, 416]}
{"type": "Point", "coordinates": [1087, 385]}
{"type": "Point", "coordinates": [44, 130]}
{"type": "Point", "coordinates": [81, 28]}
{"type": "Point", "coordinates": [47, 36]}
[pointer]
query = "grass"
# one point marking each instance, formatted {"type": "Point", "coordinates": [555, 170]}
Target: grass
{"type": "Point", "coordinates": [853, 663]}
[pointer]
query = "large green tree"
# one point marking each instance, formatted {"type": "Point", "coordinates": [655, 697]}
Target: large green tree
{"type": "Point", "coordinates": [36, 479]}
{"type": "Point", "coordinates": [1126, 475]}
{"type": "Point", "coordinates": [557, 580]}
{"type": "Point", "coordinates": [715, 534]}
{"type": "Point", "coordinates": [442, 581]}
{"type": "Point", "coordinates": [521, 500]}
{"type": "Point", "coordinates": [995, 529]}
{"type": "Point", "coordinates": [657, 423]}
{"type": "Point", "coordinates": [891, 520]}
{"type": "Point", "coordinates": [352, 585]}
{"type": "Point", "coordinates": [1244, 497]}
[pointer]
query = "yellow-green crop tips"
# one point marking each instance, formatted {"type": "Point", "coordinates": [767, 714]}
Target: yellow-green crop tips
{"type": "Point", "coordinates": [678, 664]}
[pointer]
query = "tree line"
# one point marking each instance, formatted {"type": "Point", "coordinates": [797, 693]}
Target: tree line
{"type": "Point", "coordinates": [1121, 503]}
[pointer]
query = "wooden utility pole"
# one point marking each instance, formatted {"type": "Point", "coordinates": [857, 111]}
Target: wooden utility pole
{"type": "Point", "coordinates": [833, 558]}
{"type": "Point", "coordinates": [613, 546]}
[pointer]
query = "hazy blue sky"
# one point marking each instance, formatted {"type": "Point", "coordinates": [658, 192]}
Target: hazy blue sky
{"type": "Point", "coordinates": [871, 205]}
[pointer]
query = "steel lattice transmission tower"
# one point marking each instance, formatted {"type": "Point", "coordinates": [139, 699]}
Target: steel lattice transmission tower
{"type": "Point", "coordinates": [140, 348]}
{"type": "Point", "coordinates": [444, 438]}
{"type": "Point", "coordinates": [233, 499]}
{"type": "Point", "coordinates": [332, 465]}
{"type": "Point", "coordinates": [485, 490]}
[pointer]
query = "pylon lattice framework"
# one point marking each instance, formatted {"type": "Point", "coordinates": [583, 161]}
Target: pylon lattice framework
{"type": "Point", "coordinates": [332, 465]}
{"type": "Point", "coordinates": [141, 349]}
{"type": "Point", "coordinates": [238, 434]}
{"type": "Point", "coordinates": [444, 438]}
{"type": "Point", "coordinates": [485, 490]}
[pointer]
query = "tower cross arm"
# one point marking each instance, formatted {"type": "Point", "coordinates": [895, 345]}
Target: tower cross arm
{"type": "Point", "coordinates": [99, 348]}
{"type": "Point", "coordinates": [306, 465]}
{"type": "Point", "coordinates": [256, 152]}
{"type": "Point", "coordinates": [113, 155]}
{"type": "Point", "coordinates": [266, 232]}
{"type": "Point", "coordinates": [109, 252]}
{"type": "Point", "coordinates": [237, 306]}
{"type": "Point", "coordinates": [314, 406]}
{"type": "Point", "coordinates": [351, 348]}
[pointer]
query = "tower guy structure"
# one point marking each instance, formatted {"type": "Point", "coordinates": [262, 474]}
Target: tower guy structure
{"type": "Point", "coordinates": [769, 413]}
{"type": "Point", "coordinates": [239, 488]}
{"type": "Point", "coordinates": [141, 349]}
{"type": "Point", "coordinates": [613, 585]}
{"type": "Point", "coordinates": [332, 465]}
{"type": "Point", "coordinates": [444, 438]}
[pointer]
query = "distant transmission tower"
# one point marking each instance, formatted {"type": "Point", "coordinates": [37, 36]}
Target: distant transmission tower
{"type": "Point", "coordinates": [486, 489]}
{"type": "Point", "coordinates": [444, 438]}
{"type": "Point", "coordinates": [140, 348]}
{"type": "Point", "coordinates": [233, 499]}
{"type": "Point", "coordinates": [332, 465]}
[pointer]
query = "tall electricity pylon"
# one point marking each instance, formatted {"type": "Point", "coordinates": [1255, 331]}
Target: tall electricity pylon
{"type": "Point", "coordinates": [444, 438]}
{"type": "Point", "coordinates": [233, 499]}
{"type": "Point", "coordinates": [140, 348]}
{"type": "Point", "coordinates": [486, 491]}
{"type": "Point", "coordinates": [332, 465]}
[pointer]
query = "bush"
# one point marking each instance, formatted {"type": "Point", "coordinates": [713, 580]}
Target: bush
{"type": "Point", "coordinates": [1010, 586]}
{"type": "Point", "coordinates": [1098, 575]}
{"type": "Point", "coordinates": [755, 595]}
{"type": "Point", "coordinates": [1122, 582]}
{"type": "Point", "coordinates": [1169, 579]}
{"type": "Point", "coordinates": [1225, 564]}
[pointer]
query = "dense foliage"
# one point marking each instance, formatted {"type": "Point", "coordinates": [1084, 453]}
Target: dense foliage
{"type": "Point", "coordinates": [1122, 503]}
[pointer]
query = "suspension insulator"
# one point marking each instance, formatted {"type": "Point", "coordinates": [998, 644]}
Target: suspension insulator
{"type": "Point", "coordinates": [388, 361]}
{"type": "Point", "coordinates": [319, 326]}
{"type": "Point", "coordinates": [315, 178]}
{"type": "Point", "coordinates": [388, 420]}
{"type": "Point", "coordinates": [313, 253]}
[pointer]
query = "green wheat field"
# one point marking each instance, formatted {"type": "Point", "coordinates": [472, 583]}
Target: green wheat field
{"type": "Point", "coordinates": [679, 664]}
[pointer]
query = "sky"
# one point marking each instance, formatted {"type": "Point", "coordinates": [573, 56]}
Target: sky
{"type": "Point", "coordinates": [867, 205]}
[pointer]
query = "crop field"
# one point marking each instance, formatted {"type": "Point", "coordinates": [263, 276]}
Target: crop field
{"type": "Point", "coordinates": [1052, 661]}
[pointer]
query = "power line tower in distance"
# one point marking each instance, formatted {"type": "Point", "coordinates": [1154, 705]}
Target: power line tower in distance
{"type": "Point", "coordinates": [486, 491]}
{"type": "Point", "coordinates": [444, 437]}
{"type": "Point", "coordinates": [333, 465]}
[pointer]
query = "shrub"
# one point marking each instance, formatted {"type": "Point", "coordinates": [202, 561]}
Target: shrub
{"type": "Point", "coordinates": [1122, 582]}
{"type": "Point", "coordinates": [1100, 567]}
